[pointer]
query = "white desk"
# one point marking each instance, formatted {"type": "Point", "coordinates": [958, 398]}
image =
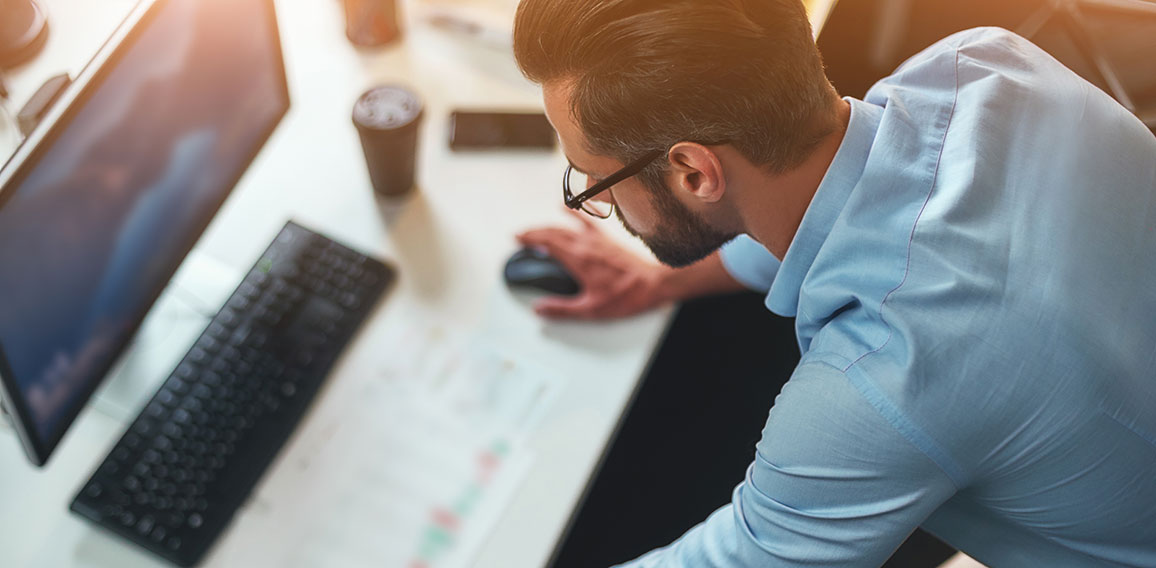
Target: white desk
{"type": "Point", "coordinates": [449, 242]}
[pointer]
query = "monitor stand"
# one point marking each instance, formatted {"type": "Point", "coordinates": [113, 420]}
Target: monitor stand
{"type": "Point", "coordinates": [194, 295]}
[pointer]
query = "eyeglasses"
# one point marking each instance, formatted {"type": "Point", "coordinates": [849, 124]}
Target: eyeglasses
{"type": "Point", "coordinates": [599, 209]}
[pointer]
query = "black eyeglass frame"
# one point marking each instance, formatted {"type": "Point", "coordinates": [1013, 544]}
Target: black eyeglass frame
{"type": "Point", "coordinates": [576, 201]}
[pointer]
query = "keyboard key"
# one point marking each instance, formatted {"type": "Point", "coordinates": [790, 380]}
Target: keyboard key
{"type": "Point", "coordinates": [120, 454]}
{"type": "Point", "coordinates": [240, 303]}
{"type": "Point", "coordinates": [177, 385]}
{"type": "Point", "coordinates": [155, 410]}
{"type": "Point", "coordinates": [228, 318]}
{"type": "Point", "coordinates": [202, 392]}
{"type": "Point", "coordinates": [166, 397]}
{"type": "Point", "coordinates": [288, 389]}
{"type": "Point", "coordinates": [172, 430]}
{"type": "Point", "coordinates": [144, 427]}
{"type": "Point", "coordinates": [231, 355]}
{"type": "Point", "coordinates": [145, 525]}
{"type": "Point", "coordinates": [209, 343]}
{"type": "Point", "coordinates": [198, 356]}
{"type": "Point", "coordinates": [186, 370]}
{"type": "Point", "coordinates": [249, 291]}
{"type": "Point", "coordinates": [218, 331]}
{"type": "Point", "coordinates": [132, 441]}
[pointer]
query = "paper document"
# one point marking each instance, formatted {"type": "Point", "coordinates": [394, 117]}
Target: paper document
{"type": "Point", "coordinates": [427, 459]}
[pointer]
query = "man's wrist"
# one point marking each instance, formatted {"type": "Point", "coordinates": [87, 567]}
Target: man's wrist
{"type": "Point", "coordinates": [706, 277]}
{"type": "Point", "coordinates": [671, 285]}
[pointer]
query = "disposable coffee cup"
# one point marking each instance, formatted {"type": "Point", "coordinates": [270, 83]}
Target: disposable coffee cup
{"type": "Point", "coordinates": [370, 23]}
{"type": "Point", "coordinates": [388, 119]}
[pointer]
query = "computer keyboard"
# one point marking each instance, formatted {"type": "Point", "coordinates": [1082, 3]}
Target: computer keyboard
{"type": "Point", "coordinates": [192, 456]}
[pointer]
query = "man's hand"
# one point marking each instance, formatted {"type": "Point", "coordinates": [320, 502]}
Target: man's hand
{"type": "Point", "coordinates": [615, 282]}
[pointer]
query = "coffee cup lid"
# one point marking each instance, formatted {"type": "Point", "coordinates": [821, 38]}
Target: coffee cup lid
{"type": "Point", "coordinates": [386, 108]}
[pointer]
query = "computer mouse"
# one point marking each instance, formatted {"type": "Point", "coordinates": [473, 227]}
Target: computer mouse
{"type": "Point", "coordinates": [535, 269]}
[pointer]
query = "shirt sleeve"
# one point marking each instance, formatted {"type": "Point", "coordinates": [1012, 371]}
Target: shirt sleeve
{"type": "Point", "coordinates": [832, 484]}
{"type": "Point", "coordinates": [750, 263]}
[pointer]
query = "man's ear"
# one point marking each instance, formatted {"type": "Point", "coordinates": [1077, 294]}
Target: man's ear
{"type": "Point", "coordinates": [697, 170]}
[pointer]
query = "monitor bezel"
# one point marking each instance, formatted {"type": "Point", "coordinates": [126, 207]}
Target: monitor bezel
{"type": "Point", "coordinates": [41, 138]}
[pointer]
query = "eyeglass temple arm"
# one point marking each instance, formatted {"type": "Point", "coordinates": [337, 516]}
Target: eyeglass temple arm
{"type": "Point", "coordinates": [632, 169]}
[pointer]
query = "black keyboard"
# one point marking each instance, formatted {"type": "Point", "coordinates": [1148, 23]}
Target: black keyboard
{"type": "Point", "coordinates": [190, 459]}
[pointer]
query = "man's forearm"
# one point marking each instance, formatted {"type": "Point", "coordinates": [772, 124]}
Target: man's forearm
{"type": "Point", "coordinates": [704, 278]}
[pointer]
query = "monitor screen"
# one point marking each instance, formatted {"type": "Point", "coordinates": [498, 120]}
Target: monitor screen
{"type": "Point", "coordinates": [100, 214]}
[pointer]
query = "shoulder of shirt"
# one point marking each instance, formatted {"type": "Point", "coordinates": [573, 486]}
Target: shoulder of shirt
{"type": "Point", "coordinates": [996, 61]}
{"type": "Point", "coordinates": [997, 43]}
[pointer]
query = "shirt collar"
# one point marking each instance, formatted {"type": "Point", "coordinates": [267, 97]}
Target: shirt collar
{"type": "Point", "coordinates": [842, 176]}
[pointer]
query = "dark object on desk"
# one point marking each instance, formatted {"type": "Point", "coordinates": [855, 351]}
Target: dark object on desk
{"type": "Point", "coordinates": [534, 269]}
{"type": "Point", "coordinates": [388, 119]}
{"type": "Point", "coordinates": [370, 23]}
{"type": "Point", "coordinates": [41, 102]}
{"type": "Point", "coordinates": [485, 130]}
{"type": "Point", "coordinates": [177, 476]}
{"type": "Point", "coordinates": [23, 31]}
{"type": "Point", "coordinates": [1108, 42]}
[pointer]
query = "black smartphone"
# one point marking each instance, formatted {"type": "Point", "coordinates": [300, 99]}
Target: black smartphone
{"type": "Point", "coordinates": [471, 130]}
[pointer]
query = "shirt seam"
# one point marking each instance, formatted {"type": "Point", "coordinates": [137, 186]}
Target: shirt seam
{"type": "Point", "coordinates": [918, 218]}
{"type": "Point", "coordinates": [900, 424]}
{"type": "Point", "coordinates": [876, 398]}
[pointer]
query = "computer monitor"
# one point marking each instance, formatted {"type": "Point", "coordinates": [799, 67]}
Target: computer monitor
{"type": "Point", "coordinates": [103, 202]}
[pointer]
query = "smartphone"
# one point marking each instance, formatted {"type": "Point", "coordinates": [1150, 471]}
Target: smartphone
{"type": "Point", "coordinates": [480, 130]}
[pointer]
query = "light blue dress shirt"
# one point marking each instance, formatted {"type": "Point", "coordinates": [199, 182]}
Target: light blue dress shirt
{"type": "Point", "coordinates": [975, 291]}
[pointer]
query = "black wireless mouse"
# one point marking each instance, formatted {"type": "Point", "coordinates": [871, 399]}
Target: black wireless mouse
{"type": "Point", "coordinates": [534, 269]}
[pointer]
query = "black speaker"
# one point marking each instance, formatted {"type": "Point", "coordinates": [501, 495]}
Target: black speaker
{"type": "Point", "coordinates": [23, 29]}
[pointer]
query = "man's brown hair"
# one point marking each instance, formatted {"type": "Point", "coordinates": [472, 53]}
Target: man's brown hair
{"type": "Point", "coordinates": [648, 74]}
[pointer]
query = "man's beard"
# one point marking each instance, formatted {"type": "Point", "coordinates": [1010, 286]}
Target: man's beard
{"type": "Point", "coordinates": [681, 237]}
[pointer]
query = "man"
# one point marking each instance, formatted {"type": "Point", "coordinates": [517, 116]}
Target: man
{"type": "Point", "coordinates": [969, 254]}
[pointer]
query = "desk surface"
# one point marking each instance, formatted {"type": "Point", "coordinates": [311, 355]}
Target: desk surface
{"type": "Point", "coordinates": [449, 241]}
